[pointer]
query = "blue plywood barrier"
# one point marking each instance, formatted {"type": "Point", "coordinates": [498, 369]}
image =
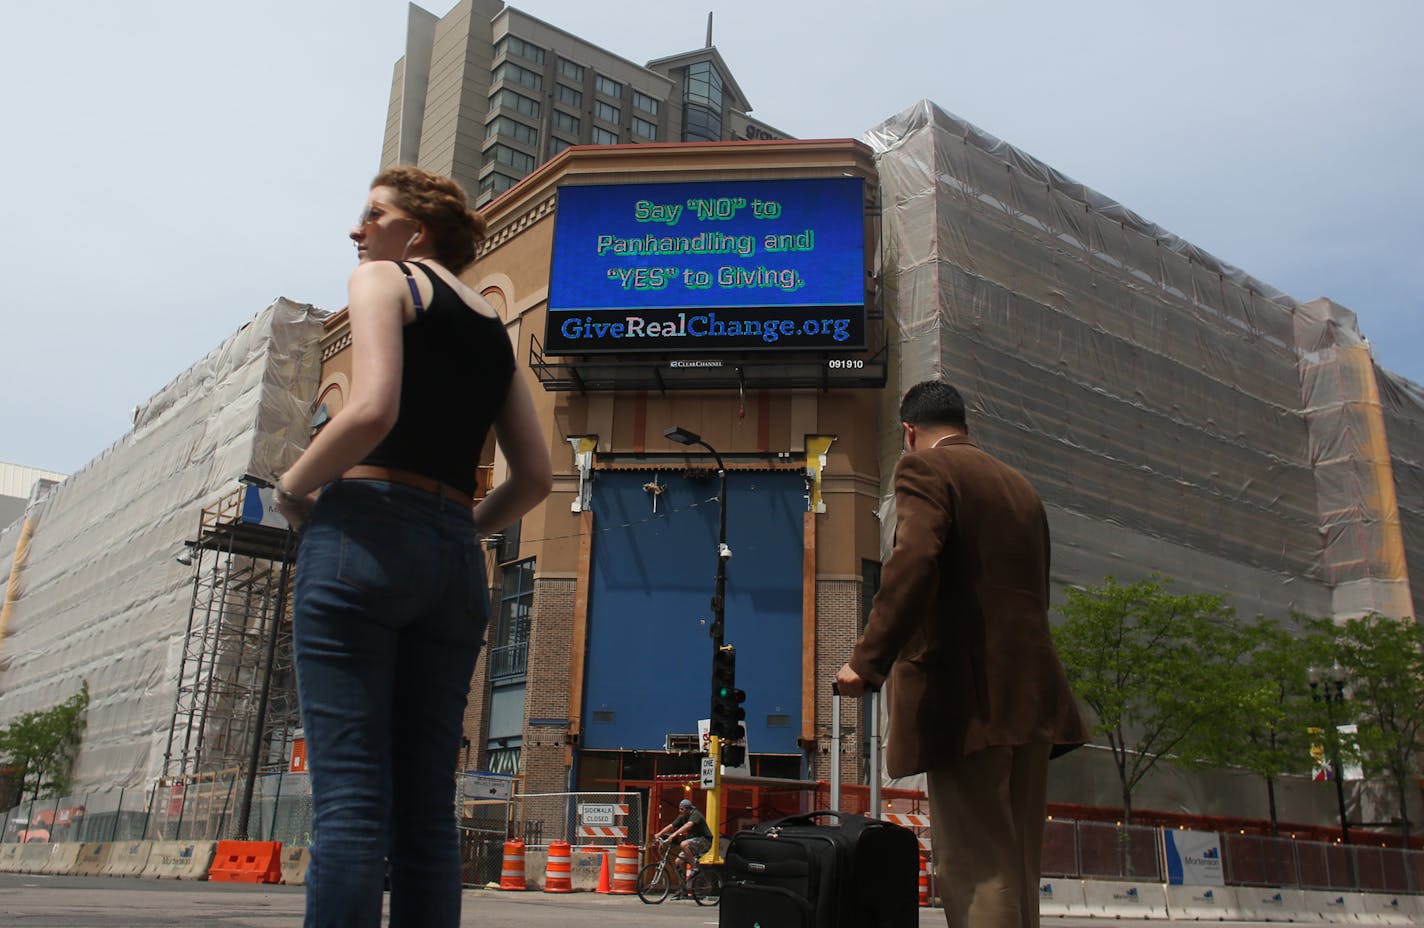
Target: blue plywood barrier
{"type": "Point", "coordinates": [649, 650]}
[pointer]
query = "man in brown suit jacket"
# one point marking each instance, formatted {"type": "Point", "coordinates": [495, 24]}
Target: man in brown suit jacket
{"type": "Point", "coordinates": [978, 698]}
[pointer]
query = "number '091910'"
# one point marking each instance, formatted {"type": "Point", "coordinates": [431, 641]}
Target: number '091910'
{"type": "Point", "coordinates": [845, 364]}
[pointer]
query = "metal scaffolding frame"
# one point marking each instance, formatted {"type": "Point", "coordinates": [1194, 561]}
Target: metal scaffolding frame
{"type": "Point", "coordinates": [238, 644]}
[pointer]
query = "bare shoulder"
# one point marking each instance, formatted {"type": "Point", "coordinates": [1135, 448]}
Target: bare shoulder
{"type": "Point", "coordinates": [375, 273]}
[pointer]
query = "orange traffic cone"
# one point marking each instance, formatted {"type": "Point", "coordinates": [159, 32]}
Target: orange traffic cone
{"type": "Point", "coordinates": [603, 885]}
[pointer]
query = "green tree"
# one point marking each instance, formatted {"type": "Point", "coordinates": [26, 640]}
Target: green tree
{"type": "Point", "coordinates": [1155, 667]}
{"type": "Point", "coordinates": [1384, 667]}
{"type": "Point", "coordinates": [42, 744]}
{"type": "Point", "coordinates": [1265, 723]}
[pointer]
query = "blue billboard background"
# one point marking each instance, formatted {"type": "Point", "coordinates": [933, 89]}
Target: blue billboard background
{"type": "Point", "coordinates": [645, 267]}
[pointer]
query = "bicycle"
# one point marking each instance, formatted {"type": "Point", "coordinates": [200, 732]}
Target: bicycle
{"type": "Point", "coordinates": [658, 880]}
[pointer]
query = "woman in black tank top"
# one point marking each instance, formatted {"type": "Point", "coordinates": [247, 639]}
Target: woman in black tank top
{"type": "Point", "coordinates": [390, 601]}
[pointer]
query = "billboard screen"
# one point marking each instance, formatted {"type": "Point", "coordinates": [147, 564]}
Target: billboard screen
{"type": "Point", "coordinates": [708, 266]}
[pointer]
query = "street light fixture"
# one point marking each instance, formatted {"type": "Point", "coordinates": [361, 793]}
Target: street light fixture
{"type": "Point", "coordinates": [1328, 686]}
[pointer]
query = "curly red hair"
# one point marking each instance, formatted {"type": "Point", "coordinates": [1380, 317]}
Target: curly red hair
{"type": "Point", "coordinates": [439, 204]}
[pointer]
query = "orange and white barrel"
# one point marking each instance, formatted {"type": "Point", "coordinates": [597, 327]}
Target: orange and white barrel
{"type": "Point", "coordinates": [625, 870]}
{"type": "Point", "coordinates": [924, 881]}
{"type": "Point", "coordinates": [559, 871]}
{"type": "Point", "coordinates": [511, 874]}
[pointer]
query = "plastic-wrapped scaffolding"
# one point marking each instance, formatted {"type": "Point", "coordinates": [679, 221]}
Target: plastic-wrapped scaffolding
{"type": "Point", "coordinates": [97, 595]}
{"type": "Point", "coordinates": [1176, 414]}
{"type": "Point", "coordinates": [1402, 405]}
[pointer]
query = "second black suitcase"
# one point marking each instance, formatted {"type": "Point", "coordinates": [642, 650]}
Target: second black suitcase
{"type": "Point", "coordinates": [854, 872]}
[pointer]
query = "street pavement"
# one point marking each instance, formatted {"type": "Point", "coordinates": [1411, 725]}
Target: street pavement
{"type": "Point", "coordinates": [34, 901]}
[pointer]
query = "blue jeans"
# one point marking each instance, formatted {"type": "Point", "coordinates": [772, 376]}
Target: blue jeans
{"type": "Point", "coordinates": [389, 612]}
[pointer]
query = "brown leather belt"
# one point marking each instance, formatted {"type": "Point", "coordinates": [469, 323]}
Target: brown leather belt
{"type": "Point", "coordinates": [410, 479]}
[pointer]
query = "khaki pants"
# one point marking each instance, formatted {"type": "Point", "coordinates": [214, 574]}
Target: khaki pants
{"type": "Point", "coordinates": [987, 813]}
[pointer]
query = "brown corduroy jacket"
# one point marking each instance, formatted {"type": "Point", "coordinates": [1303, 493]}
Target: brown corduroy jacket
{"type": "Point", "coordinates": [960, 623]}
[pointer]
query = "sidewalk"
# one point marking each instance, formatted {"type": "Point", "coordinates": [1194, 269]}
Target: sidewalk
{"type": "Point", "coordinates": [38, 901]}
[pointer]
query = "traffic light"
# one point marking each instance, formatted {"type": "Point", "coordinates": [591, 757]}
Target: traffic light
{"type": "Point", "coordinates": [734, 755]}
{"type": "Point", "coordinates": [727, 711]}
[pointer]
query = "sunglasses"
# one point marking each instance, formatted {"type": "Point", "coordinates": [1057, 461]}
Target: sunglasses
{"type": "Point", "coordinates": [371, 213]}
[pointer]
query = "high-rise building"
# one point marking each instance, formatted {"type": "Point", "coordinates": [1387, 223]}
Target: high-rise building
{"type": "Point", "coordinates": [486, 93]}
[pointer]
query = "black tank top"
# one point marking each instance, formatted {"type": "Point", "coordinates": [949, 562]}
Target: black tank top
{"type": "Point", "coordinates": [454, 378]}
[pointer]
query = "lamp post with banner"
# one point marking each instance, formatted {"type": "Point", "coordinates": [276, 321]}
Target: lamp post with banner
{"type": "Point", "coordinates": [1328, 686]}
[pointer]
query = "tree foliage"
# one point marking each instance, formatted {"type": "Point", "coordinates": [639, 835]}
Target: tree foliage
{"type": "Point", "coordinates": [42, 744]}
{"type": "Point", "coordinates": [1265, 725]}
{"type": "Point", "coordinates": [1155, 667]}
{"type": "Point", "coordinates": [1383, 659]}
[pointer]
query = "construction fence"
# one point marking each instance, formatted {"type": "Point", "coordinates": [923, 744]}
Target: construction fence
{"type": "Point", "coordinates": [1103, 851]}
{"type": "Point", "coordinates": [206, 808]}
{"type": "Point", "coordinates": [194, 808]}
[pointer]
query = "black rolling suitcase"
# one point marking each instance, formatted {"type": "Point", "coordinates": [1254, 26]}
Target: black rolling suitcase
{"type": "Point", "coordinates": [852, 872]}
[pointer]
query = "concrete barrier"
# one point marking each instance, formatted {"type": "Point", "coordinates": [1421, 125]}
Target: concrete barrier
{"type": "Point", "coordinates": [10, 857]}
{"type": "Point", "coordinates": [128, 858]}
{"type": "Point", "coordinates": [535, 860]}
{"type": "Point", "coordinates": [1115, 899]}
{"type": "Point", "coordinates": [587, 862]}
{"type": "Point", "coordinates": [180, 860]}
{"type": "Point", "coordinates": [34, 855]}
{"type": "Point", "coordinates": [1202, 903]}
{"type": "Point", "coordinates": [1060, 896]}
{"type": "Point", "coordinates": [1386, 909]}
{"type": "Point", "coordinates": [1334, 907]}
{"type": "Point", "coordinates": [1263, 904]}
{"type": "Point", "coordinates": [295, 861]}
{"type": "Point", "coordinates": [93, 858]}
{"type": "Point", "coordinates": [62, 858]}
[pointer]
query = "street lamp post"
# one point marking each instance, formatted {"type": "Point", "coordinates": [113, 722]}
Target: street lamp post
{"type": "Point", "coordinates": [684, 437]}
{"type": "Point", "coordinates": [1331, 691]}
{"type": "Point", "coordinates": [719, 599]}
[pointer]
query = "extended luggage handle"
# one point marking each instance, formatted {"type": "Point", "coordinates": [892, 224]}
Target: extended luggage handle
{"type": "Point", "coordinates": [808, 818]}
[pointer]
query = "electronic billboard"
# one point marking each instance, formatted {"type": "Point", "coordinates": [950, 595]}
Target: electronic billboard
{"type": "Point", "coordinates": [708, 266]}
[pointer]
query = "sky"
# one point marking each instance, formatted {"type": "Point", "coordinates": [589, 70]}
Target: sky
{"type": "Point", "coordinates": [171, 168]}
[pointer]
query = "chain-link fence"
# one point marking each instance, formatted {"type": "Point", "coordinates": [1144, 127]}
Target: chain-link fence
{"type": "Point", "coordinates": [188, 809]}
{"type": "Point", "coordinates": [110, 815]}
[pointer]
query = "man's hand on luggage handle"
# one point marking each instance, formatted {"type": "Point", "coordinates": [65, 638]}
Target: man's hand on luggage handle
{"type": "Point", "coordinates": [851, 683]}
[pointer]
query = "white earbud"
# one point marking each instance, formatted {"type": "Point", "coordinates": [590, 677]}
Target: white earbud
{"type": "Point", "coordinates": [413, 238]}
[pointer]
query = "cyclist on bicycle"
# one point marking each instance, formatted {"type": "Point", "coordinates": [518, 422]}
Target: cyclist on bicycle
{"type": "Point", "coordinates": [688, 822]}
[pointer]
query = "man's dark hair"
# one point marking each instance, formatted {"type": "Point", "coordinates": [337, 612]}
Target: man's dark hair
{"type": "Point", "coordinates": [933, 402]}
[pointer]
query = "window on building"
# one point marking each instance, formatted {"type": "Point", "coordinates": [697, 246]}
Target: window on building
{"type": "Point", "coordinates": [503, 757]}
{"type": "Point", "coordinates": [602, 136]}
{"type": "Point", "coordinates": [645, 103]}
{"type": "Point", "coordinates": [496, 183]}
{"type": "Point", "coordinates": [513, 45]}
{"type": "Point", "coordinates": [566, 94]}
{"type": "Point", "coordinates": [566, 122]}
{"type": "Point", "coordinates": [513, 129]}
{"type": "Point", "coordinates": [557, 145]}
{"type": "Point", "coordinates": [700, 124]}
{"type": "Point", "coordinates": [606, 112]}
{"type": "Point", "coordinates": [703, 84]}
{"type": "Point", "coordinates": [509, 646]}
{"type": "Point", "coordinates": [515, 159]}
{"type": "Point", "coordinates": [515, 101]}
{"type": "Point", "coordinates": [644, 128]}
{"type": "Point", "coordinates": [512, 73]}
{"type": "Point", "coordinates": [573, 72]}
{"type": "Point", "coordinates": [608, 87]}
